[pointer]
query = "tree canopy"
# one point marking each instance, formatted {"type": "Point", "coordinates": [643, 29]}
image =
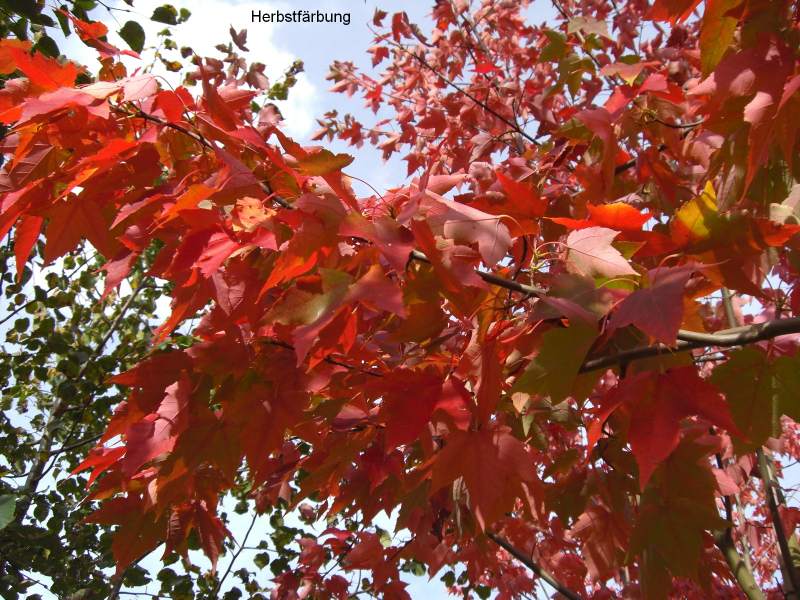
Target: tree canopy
{"type": "Point", "coordinates": [561, 350]}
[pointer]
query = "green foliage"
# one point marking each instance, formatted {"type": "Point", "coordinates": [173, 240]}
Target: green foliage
{"type": "Point", "coordinates": [165, 14]}
{"type": "Point", "coordinates": [133, 34]}
{"type": "Point", "coordinates": [60, 348]}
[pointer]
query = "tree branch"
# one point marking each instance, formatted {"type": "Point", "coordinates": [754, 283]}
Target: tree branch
{"type": "Point", "coordinates": [140, 114]}
{"type": "Point", "coordinates": [739, 563]}
{"type": "Point", "coordinates": [328, 359]}
{"type": "Point", "coordinates": [766, 474]}
{"type": "Point", "coordinates": [533, 566]}
{"type": "Point", "coordinates": [790, 572]}
{"type": "Point", "coordinates": [738, 566]}
{"type": "Point", "coordinates": [94, 438]}
{"type": "Point", "coordinates": [690, 340]}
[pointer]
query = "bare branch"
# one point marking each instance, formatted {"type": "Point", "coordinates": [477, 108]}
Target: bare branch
{"type": "Point", "coordinates": [690, 340]}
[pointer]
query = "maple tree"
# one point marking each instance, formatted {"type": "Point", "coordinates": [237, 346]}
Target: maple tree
{"type": "Point", "coordinates": [535, 353]}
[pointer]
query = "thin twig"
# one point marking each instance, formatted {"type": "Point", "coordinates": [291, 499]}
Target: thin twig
{"type": "Point", "coordinates": [509, 284]}
{"type": "Point", "coordinates": [235, 556]}
{"type": "Point", "coordinates": [140, 114]}
{"type": "Point", "coordinates": [677, 125]}
{"type": "Point", "coordinates": [94, 438]}
{"type": "Point", "coordinates": [327, 359]}
{"type": "Point", "coordinates": [459, 89]}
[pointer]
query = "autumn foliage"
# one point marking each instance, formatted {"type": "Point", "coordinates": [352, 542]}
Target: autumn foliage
{"type": "Point", "coordinates": [533, 344]}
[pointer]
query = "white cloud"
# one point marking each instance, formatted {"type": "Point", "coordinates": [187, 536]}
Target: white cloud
{"type": "Point", "coordinates": [206, 28]}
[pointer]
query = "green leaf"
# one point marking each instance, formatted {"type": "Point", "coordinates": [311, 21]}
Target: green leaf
{"type": "Point", "coordinates": [133, 34]}
{"type": "Point", "coordinates": [554, 370]}
{"type": "Point", "coordinates": [677, 508]}
{"type": "Point", "coordinates": [759, 392]}
{"type": "Point", "coordinates": [716, 32]}
{"type": "Point", "coordinates": [8, 503]}
{"type": "Point", "coordinates": [261, 560]}
{"type": "Point", "coordinates": [787, 383]}
{"type": "Point", "coordinates": [20, 29]}
{"type": "Point", "coordinates": [47, 46]}
{"type": "Point", "coordinates": [748, 381]}
{"type": "Point", "coordinates": [165, 14]}
{"type": "Point", "coordinates": [63, 21]}
{"type": "Point", "coordinates": [556, 47]}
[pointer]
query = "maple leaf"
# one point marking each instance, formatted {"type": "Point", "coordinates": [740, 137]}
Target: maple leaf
{"type": "Point", "coordinates": [657, 403]}
{"type": "Point", "coordinates": [139, 533]}
{"type": "Point", "coordinates": [628, 72]}
{"type": "Point", "coordinates": [464, 224]}
{"type": "Point", "coordinates": [366, 553]}
{"type": "Point", "coordinates": [716, 32]}
{"type": "Point", "coordinates": [45, 73]}
{"type": "Point", "coordinates": [677, 508]}
{"type": "Point", "coordinates": [217, 108]}
{"type": "Point", "coordinates": [492, 464]}
{"type": "Point", "coordinates": [554, 370]}
{"type": "Point", "coordinates": [588, 25]}
{"type": "Point", "coordinates": [453, 273]}
{"type": "Point", "coordinates": [598, 121]}
{"type": "Point", "coordinates": [117, 269]}
{"type": "Point", "coordinates": [26, 235]}
{"type": "Point", "coordinates": [604, 535]}
{"type": "Point", "coordinates": [72, 221]}
{"type": "Point", "coordinates": [524, 198]}
{"type": "Point", "coordinates": [323, 162]}
{"type": "Point", "coordinates": [156, 433]}
{"type": "Point", "coordinates": [99, 459]}
{"type": "Point", "coordinates": [674, 11]}
{"type": "Point", "coordinates": [590, 253]}
{"type": "Point", "coordinates": [91, 34]}
{"type": "Point", "coordinates": [616, 215]}
{"type": "Point", "coordinates": [657, 309]}
{"type": "Point", "coordinates": [409, 399]}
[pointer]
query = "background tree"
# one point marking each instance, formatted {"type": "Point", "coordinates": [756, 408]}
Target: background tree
{"type": "Point", "coordinates": [64, 336]}
{"type": "Point", "coordinates": [536, 372]}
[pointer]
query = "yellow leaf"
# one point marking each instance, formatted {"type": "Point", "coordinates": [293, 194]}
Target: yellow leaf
{"type": "Point", "coordinates": [694, 221]}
